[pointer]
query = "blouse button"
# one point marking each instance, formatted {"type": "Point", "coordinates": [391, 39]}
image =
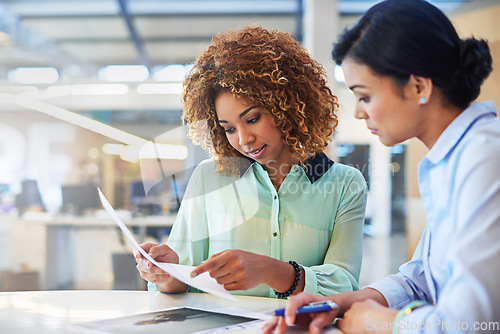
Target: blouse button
{"type": "Point", "coordinates": [275, 197]}
{"type": "Point", "coordinates": [275, 234]}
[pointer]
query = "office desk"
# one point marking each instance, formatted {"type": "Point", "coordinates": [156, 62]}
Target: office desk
{"type": "Point", "coordinates": [69, 252]}
{"type": "Point", "coordinates": [54, 312]}
{"type": "Point", "coordinates": [92, 223]}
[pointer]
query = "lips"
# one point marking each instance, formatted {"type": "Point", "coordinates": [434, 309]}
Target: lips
{"type": "Point", "coordinates": [373, 131]}
{"type": "Point", "coordinates": [256, 153]}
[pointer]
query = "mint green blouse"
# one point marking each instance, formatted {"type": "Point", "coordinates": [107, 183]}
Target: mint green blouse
{"type": "Point", "coordinates": [316, 219]}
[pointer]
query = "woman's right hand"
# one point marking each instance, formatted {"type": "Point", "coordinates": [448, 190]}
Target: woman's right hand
{"type": "Point", "coordinates": [315, 321]}
{"type": "Point", "coordinates": [153, 274]}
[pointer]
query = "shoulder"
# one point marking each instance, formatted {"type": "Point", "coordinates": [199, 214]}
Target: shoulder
{"type": "Point", "coordinates": [346, 179]}
{"type": "Point", "coordinates": [345, 172]}
{"type": "Point", "coordinates": [208, 172]}
{"type": "Point", "coordinates": [206, 169]}
{"type": "Point", "coordinates": [484, 131]}
{"type": "Point", "coordinates": [482, 141]}
{"type": "Point", "coordinates": [207, 163]}
{"type": "Point", "coordinates": [476, 158]}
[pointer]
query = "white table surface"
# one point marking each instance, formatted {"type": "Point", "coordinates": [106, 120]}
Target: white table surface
{"type": "Point", "coordinates": [55, 312]}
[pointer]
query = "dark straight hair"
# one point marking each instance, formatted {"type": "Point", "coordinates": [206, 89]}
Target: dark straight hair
{"type": "Point", "coordinates": [398, 38]}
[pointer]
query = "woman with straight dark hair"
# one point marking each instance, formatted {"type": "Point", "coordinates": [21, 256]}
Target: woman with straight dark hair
{"type": "Point", "coordinates": [413, 76]}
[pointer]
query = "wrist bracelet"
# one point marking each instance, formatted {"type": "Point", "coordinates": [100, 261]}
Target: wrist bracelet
{"type": "Point", "coordinates": [295, 282]}
{"type": "Point", "coordinates": [405, 311]}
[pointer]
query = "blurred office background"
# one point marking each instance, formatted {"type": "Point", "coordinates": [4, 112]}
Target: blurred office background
{"type": "Point", "coordinates": [90, 96]}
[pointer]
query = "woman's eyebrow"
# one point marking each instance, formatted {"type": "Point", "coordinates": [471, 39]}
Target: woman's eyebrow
{"type": "Point", "coordinates": [246, 111]}
{"type": "Point", "coordinates": [356, 86]}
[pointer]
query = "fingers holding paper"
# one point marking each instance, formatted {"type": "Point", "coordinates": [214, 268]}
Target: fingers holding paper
{"type": "Point", "coordinates": [151, 273]}
{"type": "Point", "coordinates": [160, 253]}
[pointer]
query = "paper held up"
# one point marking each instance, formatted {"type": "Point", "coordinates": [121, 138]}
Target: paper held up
{"type": "Point", "coordinates": [202, 282]}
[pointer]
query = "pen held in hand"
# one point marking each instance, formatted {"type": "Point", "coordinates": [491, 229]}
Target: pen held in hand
{"type": "Point", "coordinates": [324, 306]}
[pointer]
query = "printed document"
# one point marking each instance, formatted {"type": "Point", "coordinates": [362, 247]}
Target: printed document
{"type": "Point", "coordinates": [202, 282]}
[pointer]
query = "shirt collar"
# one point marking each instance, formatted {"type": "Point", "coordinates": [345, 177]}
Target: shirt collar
{"type": "Point", "coordinates": [458, 128]}
{"type": "Point", "coordinates": [314, 167]}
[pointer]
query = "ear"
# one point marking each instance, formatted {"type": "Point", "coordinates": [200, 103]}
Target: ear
{"type": "Point", "coordinates": [420, 88]}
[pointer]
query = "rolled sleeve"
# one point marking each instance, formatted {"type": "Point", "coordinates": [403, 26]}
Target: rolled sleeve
{"type": "Point", "coordinates": [342, 261]}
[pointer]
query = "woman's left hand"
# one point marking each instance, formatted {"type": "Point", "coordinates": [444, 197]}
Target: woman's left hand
{"type": "Point", "coordinates": [236, 269]}
{"type": "Point", "coordinates": [367, 316]}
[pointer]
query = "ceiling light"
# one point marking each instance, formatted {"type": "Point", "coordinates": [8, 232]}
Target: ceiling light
{"type": "Point", "coordinates": [171, 73]}
{"type": "Point", "coordinates": [84, 89]}
{"type": "Point", "coordinates": [99, 89]}
{"type": "Point", "coordinates": [121, 73]}
{"type": "Point", "coordinates": [33, 75]}
{"type": "Point", "coordinates": [166, 88]}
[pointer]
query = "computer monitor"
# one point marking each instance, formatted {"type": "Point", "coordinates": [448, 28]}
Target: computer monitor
{"type": "Point", "coordinates": [29, 198]}
{"type": "Point", "coordinates": [142, 204]}
{"type": "Point", "coordinates": [78, 198]}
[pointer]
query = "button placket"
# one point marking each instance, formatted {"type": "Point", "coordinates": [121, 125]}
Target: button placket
{"type": "Point", "coordinates": [275, 241]}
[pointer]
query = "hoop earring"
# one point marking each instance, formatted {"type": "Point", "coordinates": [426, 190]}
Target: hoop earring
{"type": "Point", "coordinates": [423, 100]}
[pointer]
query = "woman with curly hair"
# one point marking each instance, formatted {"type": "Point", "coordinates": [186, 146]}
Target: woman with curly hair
{"type": "Point", "coordinates": [269, 214]}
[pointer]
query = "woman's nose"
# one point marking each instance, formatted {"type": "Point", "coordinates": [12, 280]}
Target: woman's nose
{"type": "Point", "coordinates": [245, 137]}
{"type": "Point", "coordinates": [360, 113]}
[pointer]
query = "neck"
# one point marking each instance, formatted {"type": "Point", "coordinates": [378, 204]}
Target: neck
{"type": "Point", "coordinates": [438, 120]}
{"type": "Point", "coordinates": [277, 173]}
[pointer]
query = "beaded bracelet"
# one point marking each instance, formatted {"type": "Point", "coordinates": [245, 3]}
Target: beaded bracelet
{"type": "Point", "coordinates": [405, 311]}
{"type": "Point", "coordinates": [295, 282]}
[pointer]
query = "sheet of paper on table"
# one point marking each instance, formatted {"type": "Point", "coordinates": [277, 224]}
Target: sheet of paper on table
{"type": "Point", "coordinates": [182, 320]}
{"type": "Point", "coordinates": [190, 320]}
{"type": "Point", "coordinates": [202, 282]}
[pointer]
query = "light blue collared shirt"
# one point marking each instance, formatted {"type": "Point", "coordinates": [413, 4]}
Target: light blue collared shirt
{"type": "Point", "coordinates": [456, 265]}
{"type": "Point", "coordinates": [316, 218]}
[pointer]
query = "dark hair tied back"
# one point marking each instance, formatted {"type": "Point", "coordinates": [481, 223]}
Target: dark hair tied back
{"type": "Point", "coordinates": [398, 38]}
{"type": "Point", "coordinates": [476, 65]}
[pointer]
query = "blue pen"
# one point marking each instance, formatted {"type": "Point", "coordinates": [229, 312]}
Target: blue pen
{"type": "Point", "coordinates": [324, 306]}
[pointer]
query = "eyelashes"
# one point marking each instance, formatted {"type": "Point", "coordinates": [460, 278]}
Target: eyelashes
{"type": "Point", "coordinates": [250, 121]}
{"type": "Point", "coordinates": [253, 120]}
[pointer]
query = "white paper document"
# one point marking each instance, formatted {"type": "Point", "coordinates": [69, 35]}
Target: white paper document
{"type": "Point", "coordinates": [184, 320]}
{"type": "Point", "coordinates": [202, 282]}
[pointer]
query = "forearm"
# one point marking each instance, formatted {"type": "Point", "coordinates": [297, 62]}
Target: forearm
{"type": "Point", "coordinates": [346, 299]}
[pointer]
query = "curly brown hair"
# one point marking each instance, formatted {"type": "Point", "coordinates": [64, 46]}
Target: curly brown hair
{"type": "Point", "coordinates": [271, 70]}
